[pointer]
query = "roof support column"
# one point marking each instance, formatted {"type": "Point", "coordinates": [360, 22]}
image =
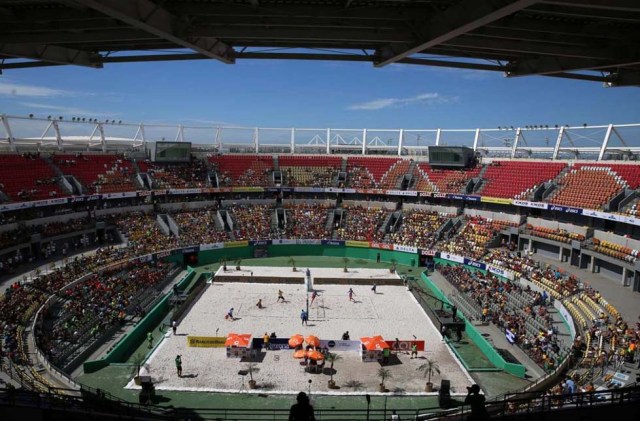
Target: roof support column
{"type": "Point", "coordinates": [7, 129]}
{"type": "Point", "coordinates": [605, 142]}
{"type": "Point", "coordinates": [557, 147]}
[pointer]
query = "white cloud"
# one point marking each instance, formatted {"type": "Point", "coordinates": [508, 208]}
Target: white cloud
{"type": "Point", "coordinates": [379, 104]}
{"type": "Point", "coordinates": [16, 89]}
{"type": "Point", "coordinates": [66, 111]}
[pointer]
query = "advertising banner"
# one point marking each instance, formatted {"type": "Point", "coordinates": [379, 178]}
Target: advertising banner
{"type": "Point", "coordinates": [401, 193]}
{"type": "Point", "coordinates": [231, 244]}
{"type": "Point", "coordinates": [206, 341]}
{"type": "Point", "coordinates": [383, 246]}
{"type": "Point", "coordinates": [429, 252]}
{"type": "Point", "coordinates": [369, 191]}
{"type": "Point", "coordinates": [352, 243]}
{"type": "Point", "coordinates": [451, 257]}
{"type": "Point", "coordinates": [499, 200]}
{"type": "Point", "coordinates": [309, 241]}
{"type": "Point", "coordinates": [405, 345]}
{"type": "Point", "coordinates": [527, 204]}
{"type": "Point", "coordinates": [336, 345]}
{"type": "Point", "coordinates": [283, 241]}
{"type": "Point", "coordinates": [185, 191]}
{"type": "Point", "coordinates": [247, 189]}
{"type": "Point", "coordinates": [332, 243]}
{"type": "Point", "coordinates": [259, 242]}
{"type": "Point", "coordinates": [117, 195]}
{"type": "Point", "coordinates": [405, 249]}
{"type": "Point", "coordinates": [566, 209]}
{"type": "Point", "coordinates": [212, 246]}
{"type": "Point", "coordinates": [474, 264]}
{"type": "Point", "coordinates": [505, 273]}
{"type": "Point", "coordinates": [274, 344]}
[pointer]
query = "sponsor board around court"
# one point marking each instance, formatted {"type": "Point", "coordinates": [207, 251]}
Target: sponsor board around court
{"type": "Point", "coordinates": [206, 341]}
{"type": "Point", "coordinates": [498, 200]}
{"type": "Point", "coordinates": [353, 243]}
{"type": "Point", "coordinates": [231, 244]}
{"type": "Point", "coordinates": [405, 345]}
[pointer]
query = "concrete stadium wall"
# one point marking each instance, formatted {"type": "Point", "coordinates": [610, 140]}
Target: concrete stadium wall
{"type": "Point", "coordinates": [618, 239]}
{"type": "Point", "coordinates": [497, 216]}
{"type": "Point", "coordinates": [545, 223]}
{"type": "Point", "coordinates": [449, 210]}
{"type": "Point", "coordinates": [367, 204]}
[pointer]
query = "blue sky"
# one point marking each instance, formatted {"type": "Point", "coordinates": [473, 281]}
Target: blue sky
{"type": "Point", "coordinates": [311, 94]}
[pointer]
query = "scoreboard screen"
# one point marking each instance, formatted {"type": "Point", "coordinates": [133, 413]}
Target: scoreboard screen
{"type": "Point", "coordinates": [450, 156]}
{"type": "Point", "coordinates": [173, 152]}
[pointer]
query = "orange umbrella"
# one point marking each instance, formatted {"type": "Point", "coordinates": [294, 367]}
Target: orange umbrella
{"type": "Point", "coordinates": [238, 340]}
{"type": "Point", "coordinates": [315, 355]}
{"type": "Point", "coordinates": [299, 353]}
{"type": "Point", "coordinates": [312, 340]}
{"type": "Point", "coordinates": [296, 340]}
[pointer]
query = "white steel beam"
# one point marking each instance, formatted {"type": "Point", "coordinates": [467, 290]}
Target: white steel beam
{"type": "Point", "coordinates": [7, 129]}
{"type": "Point", "coordinates": [475, 140]}
{"type": "Point", "coordinates": [605, 142]}
{"type": "Point", "coordinates": [459, 19]}
{"type": "Point", "coordinates": [515, 143]}
{"type": "Point", "coordinates": [293, 140]}
{"type": "Point", "coordinates": [328, 141]}
{"type": "Point", "coordinates": [150, 17]}
{"type": "Point", "coordinates": [364, 141]}
{"type": "Point", "coordinates": [438, 137]}
{"type": "Point", "coordinates": [558, 141]}
{"type": "Point", "coordinates": [400, 141]}
{"type": "Point", "coordinates": [56, 129]}
{"type": "Point", "coordinates": [103, 141]}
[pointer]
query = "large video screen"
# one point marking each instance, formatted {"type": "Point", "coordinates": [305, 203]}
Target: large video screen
{"type": "Point", "coordinates": [450, 156]}
{"type": "Point", "coordinates": [173, 152]}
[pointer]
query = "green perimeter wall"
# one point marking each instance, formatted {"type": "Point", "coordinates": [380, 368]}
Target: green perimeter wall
{"type": "Point", "coordinates": [121, 351]}
{"type": "Point", "coordinates": [487, 349]}
{"type": "Point", "coordinates": [214, 256]}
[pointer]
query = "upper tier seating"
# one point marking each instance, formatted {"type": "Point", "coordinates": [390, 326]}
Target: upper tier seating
{"type": "Point", "coordinates": [472, 240]}
{"type": "Point", "coordinates": [515, 179]}
{"type": "Point", "coordinates": [633, 208]}
{"type": "Point", "coordinates": [630, 173]}
{"type": "Point", "coordinates": [28, 177]}
{"type": "Point", "coordinates": [418, 228]}
{"type": "Point", "coordinates": [179, 176]}
{"type": "Point", "coordinates": [307, 221]}
{"type": "Point", "coordinates": [99, 173]}
{"type": "Point", "coordinates": [377, 167]}
{"type": "Point", "coordinates": [399, 169]}
{"type": "Point", "coordinates": [444, 180]}
{"type": "Point", "coordinates": [253, 222]}
{"type": "Point", "coordinates": [309, 171]}
{"type": "Point", "coordinates": [244, 170]}
{"type": "Point", "coordinates": [362, 224]}
{"type": "Point", "coordinates": [588, 187]}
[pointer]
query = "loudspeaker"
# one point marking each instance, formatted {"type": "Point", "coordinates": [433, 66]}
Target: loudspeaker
{"type": "Point", "coordinates": [444, 394]}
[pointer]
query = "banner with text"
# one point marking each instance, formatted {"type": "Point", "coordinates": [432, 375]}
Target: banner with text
{"type": "Point", "coordinates": [206, 341]}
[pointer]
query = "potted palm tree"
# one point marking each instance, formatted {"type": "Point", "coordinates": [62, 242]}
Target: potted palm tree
{"type": "Point", "coordinates": [251, 367]}
{"type": "Point", "coordinates": [428, 369]}
{"type": "Point", "coordinates": [223, 262]}
{"type": "Point", "coordinates": [384, 374]}
{"type": "Point", "coordinates": [332, 358]}
{"type": "Point", "coordinates": [292, 262]}
{"type": "Point", "coordinates": [238, 261]}
{"type": "Point", "coordinates": [346, 263]}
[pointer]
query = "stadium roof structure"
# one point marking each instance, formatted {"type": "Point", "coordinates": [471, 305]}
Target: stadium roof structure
{"type": "Point", "coordinates": [57, 133]}
{"type": "Point", "coordinates": [594, 40]}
